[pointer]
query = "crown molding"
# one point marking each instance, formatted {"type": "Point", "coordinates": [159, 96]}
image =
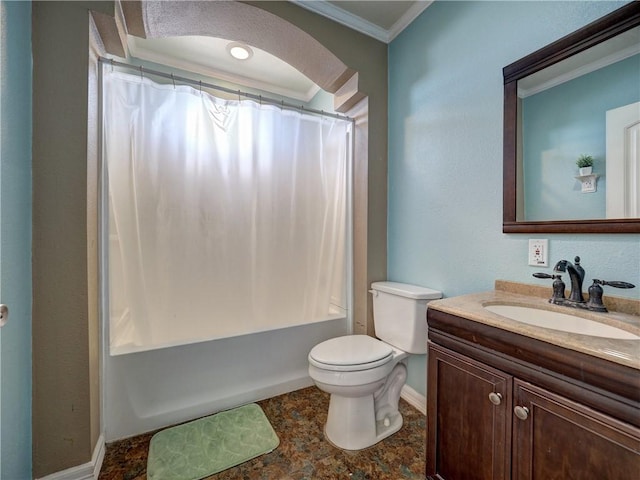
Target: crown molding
{"type": "Point", "coordinates": [348, 19]}
{"type": "Point", "coordinates": [408, 17]}
{"type": "Point", "coordinates": [343, 17]}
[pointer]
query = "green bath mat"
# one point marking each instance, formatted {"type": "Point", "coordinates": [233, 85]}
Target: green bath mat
{"type": "Point", "coordinates": [209, 445]}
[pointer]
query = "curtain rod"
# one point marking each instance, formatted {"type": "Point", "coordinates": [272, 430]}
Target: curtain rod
{"type": "Point", "coordinates": [279, 103]}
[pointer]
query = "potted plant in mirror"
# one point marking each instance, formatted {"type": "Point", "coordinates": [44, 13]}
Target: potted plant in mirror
{"type": "Point", "coordinates": [585, 164]}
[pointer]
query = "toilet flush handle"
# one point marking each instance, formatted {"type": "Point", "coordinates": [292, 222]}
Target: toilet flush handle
{"type": "Point", "coordinates": [373, 292]}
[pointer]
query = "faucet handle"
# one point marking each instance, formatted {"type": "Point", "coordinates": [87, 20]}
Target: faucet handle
{"type": "Point", "coordinates": [558, 286]}
{"type": "Point", "coordinates": [614, 283]}
{"type": "Point", "coordinates": [595, 293]}
{"type": "Point", "coordinates": [544, 275]}
{"type": "Point", "coordinates": [595, 297]}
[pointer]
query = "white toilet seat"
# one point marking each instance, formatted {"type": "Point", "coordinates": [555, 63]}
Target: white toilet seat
{"type": "Point", "coordinates": [350, 353]}
{"type": "Point", "coordinates": [365, 375]}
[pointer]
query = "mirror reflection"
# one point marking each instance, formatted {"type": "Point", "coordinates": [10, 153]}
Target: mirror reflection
{"type": "Point", "coordinates": [585, 107]}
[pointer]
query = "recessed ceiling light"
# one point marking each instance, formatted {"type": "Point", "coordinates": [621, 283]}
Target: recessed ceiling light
{"type": "Point", "coordinates": [239, 50]}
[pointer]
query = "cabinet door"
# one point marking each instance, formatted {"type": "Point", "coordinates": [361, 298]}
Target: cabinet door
{"type": "Point", "coordinates": [560, 439]}
{"type": "Point", "coordinates": [468, 436]}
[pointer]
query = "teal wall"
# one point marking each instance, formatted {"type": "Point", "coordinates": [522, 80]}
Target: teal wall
{"type": "Point", "coordinates": [15, 246]}
{"type": "Point", "coordinates": [564, 122]}
{"type": "Point", "coordinates": [445, 152]}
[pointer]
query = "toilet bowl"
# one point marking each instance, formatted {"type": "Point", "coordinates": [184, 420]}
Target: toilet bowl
{"type": "Point", "coordinates": [358, 371]}
{"type": "Point", "coordinates": [365, 375]}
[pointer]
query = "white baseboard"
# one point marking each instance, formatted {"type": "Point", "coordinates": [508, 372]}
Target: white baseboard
{"type": "Point", "coordinates": [86, 471]}
{"type": "Point", "coordinates": [414, 399]}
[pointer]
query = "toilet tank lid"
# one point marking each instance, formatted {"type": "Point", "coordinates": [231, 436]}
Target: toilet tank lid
{"type": "Point", "coordinates": [406, 290]}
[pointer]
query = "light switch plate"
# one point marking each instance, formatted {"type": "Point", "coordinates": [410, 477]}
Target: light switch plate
{"type": "Point", "coordinates": [539, 252]}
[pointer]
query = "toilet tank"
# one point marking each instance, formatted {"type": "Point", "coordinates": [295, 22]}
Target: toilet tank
{"type": "Point", "coordinates": [400, 314]}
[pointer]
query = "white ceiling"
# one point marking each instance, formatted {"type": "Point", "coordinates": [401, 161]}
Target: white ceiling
{"type": "Point", "coordinates": [380, 19]}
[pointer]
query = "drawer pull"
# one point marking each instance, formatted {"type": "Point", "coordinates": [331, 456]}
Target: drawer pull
{"type": "Point", "coordinates": [495, 398]}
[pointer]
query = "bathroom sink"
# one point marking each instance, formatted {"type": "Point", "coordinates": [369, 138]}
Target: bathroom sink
{"type": "Point", "coordinates": [560, 321]}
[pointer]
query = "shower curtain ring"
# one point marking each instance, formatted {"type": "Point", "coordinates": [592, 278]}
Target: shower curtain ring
{"type": "Point", "coordinates": [200, 86]}
{"type": "Point", "coordinates": [112, 65]}
{"type": "Point", "coordinates": [174, 81]}
{"type": "Point", "coordinates": [141, 73]}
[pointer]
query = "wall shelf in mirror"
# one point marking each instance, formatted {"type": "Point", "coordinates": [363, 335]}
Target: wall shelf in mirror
{"type": "Point", "coordinates": [535, 173]}
{"type": "Point", "coordinates": [589, 183]}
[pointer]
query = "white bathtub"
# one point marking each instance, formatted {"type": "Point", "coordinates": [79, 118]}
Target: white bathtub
{"type": "Point", "coordinates": [146, 390]}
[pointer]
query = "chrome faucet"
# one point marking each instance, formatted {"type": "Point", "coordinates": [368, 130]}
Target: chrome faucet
{"type": "Point", "coordinates": [576, 274]}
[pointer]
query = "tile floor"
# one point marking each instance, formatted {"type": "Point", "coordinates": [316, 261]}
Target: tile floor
{"type": "Point", "coordinates": [298, 419]}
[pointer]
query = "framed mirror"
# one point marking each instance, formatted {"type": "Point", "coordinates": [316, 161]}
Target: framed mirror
{"type": "Point", "coordinates": [577, 97]}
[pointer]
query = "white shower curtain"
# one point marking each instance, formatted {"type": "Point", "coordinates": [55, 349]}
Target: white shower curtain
{"type": "Point", "coordinates": [226, 217]}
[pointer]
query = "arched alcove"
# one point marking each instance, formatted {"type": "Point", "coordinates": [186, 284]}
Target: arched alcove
{"type": "Point", "coordinates": [240, 22]}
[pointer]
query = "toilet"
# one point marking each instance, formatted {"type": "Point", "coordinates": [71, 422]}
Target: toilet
{"type": "Point", "coordinates": [365, 375]}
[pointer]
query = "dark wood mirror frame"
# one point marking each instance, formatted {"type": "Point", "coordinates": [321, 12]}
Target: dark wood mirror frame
{"type": "Point", "coordinates": [596, 32]}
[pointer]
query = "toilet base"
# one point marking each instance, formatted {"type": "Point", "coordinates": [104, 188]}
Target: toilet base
{"type": "Point", "coordinates": [351, 423]}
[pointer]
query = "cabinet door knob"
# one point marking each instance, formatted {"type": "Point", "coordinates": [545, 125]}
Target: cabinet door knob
{"type": "Point", "coordinates": [521, 412]}
{"type": "Point", "coordinates": [495, 398]}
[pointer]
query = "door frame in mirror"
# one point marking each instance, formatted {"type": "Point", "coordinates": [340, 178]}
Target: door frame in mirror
{"type": "Point", "coordinates": [609, 26]}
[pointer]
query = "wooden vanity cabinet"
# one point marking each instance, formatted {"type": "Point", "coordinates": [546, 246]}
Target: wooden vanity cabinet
{"type": "Point", "coordinates": [484, 424]}
{"type": "Point", "coordinates": [569, 430]}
